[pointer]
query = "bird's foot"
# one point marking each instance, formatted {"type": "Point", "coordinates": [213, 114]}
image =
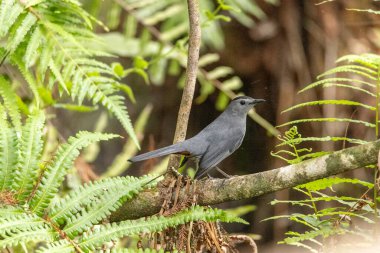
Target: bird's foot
{"type": "Point", "coordinates": [223, 173]}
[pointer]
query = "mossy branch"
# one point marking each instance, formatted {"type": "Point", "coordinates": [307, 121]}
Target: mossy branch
{"type": "Point", "coordinates": [243, 187]}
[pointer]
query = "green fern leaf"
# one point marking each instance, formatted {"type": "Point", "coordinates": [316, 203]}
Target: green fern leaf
{"type": "Point", "coordinates": [324, 183]}
{"type": "Point", "coordinates": [21, 222]}
{"type": "Point", "coordinates": [35, 234]}
{"type": "Point", "coordinates": [78, 200]}
{"type": "Point", "coordinates": [21, 31]}
{"type": "Point", "coordinates": [8, 153]}
{"type": "Point", "coordinates": [30, 79]}
{"type": "Point", "coordinates": [355, 69]}
{"type": "Point", "coordinates": [47, 52]}
{"type": "Point", "coordinates": [326, 138]}
{"type": "Point", "coordinates": [62, 246]}
{"type": "Point", "coordinates": [115, 104]}
{"type": "Point", "coordinates": [331, 102]}
{"type": "Point", "coordinates": [325, 232]}
{"type": "Point", "coordinates": [55, 172]}
{"type": "Point", "coordinates": [54, 69]}
{"type": "Point", "coordinates": [8, 210]}
{"type": "Point", "coordinates": [327, 81]}
{"type": "Point", "coordinates": [367, 60]}
{"type": "Point", "coordinates": [31, 51]}
{"type": "Point", "coordinates": [10, 102]}
{"type": "Point", "coordinates": [345, 120]}
{"type": "Point", "coordinates": [347, 86]}
{"type": "Point", "coordinates": [9, 12]}
{"type": "Point", "coordinates": [132, 227]}
{"type": "Point", "coordinates": [30, 146]}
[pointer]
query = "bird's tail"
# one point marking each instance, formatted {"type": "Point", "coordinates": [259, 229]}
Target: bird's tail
{"type": "Point", "coordinates": [172, 149]}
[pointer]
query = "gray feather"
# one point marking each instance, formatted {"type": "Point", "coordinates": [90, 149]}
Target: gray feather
{"type": "Point", "coordinates": [172, 149]}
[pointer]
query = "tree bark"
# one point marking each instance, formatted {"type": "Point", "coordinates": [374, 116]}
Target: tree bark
{"type": "Point", "coordinates": [191, 76]}
{"type": "Point", "coordinates": [216, 191]}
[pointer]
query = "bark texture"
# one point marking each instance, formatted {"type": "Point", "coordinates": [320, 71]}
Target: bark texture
{"type": "Point", "coordinates": [243, 187]}
{"type": "Point", "coordinates": [191, 76]}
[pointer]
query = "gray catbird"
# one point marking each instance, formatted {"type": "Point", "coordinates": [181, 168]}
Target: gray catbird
{"type": "Point", "coordinates": [216, 141]}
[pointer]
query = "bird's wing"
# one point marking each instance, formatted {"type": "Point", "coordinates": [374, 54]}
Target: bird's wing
{"type": "Point", "coordinates": [219, 149]}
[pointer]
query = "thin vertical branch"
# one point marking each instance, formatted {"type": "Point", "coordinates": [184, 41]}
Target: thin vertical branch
{"type": "Point", "coordinates": [191, 76]}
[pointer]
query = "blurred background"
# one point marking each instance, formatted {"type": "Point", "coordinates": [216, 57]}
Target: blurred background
{"type": "Point", "coordinates": [264, 49]}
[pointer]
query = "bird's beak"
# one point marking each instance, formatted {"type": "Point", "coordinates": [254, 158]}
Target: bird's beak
{"type": "Point", "coordinates": [256, 101]}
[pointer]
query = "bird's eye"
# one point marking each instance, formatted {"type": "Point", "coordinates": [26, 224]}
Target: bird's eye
{"type": "Point", "coordinates": [242, 102]}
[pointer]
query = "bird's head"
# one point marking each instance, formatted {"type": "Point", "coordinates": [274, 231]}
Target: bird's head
{"type": "Point", "coordinates": [243, 104]}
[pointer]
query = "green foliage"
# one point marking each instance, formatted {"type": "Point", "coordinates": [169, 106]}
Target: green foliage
{"type": "Point", "coordinates": [56, 52]}
{"type": "Point", "coordinates": [292, 139]}
{"type": "Point", "coordinates": [33, 215]}
{"type": "Point", "coordinates": [359, 75]}
{"type": "Point", "coordinates": [330, 221]}
{"type": "Point", "coordinates": [163, 51]}
{"type": "Point", "coordinates": [95, 239]}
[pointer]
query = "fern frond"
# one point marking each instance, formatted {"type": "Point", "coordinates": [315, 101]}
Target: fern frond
{"type": "Point", "coordinates": [31, 50]}
{"type": "Point", "coordinates": [348, 86]}
{"type": "Point", "coordinates": [30, 147]}
{"type": "Point", "coordinates": [330, 81]}
{"type": "Point", "coordinates": [8, 210]}
{"type": "Point", "coordinates": [32, 83]}
{"type": "Point", "coordinates": [107, 232]}
{"type": "Point", "coordinates": [368, 60]}
{"type": "Point", "coordinates": [61, 42]}
{"type": "Point", "coordinates": [324, 183]}
{"type": "Point", "coordinates": [97, 193]}
{"type": "Point", "coordinates": [55, 172]}
{"type": "Point", "coordinates": [20, 31]}
{"type": "Point", "coordinates": [35, 234]}
{"type": "Point", "coordinates": [344, 120]}
{"type": "Point", "coordinates": [325, 198]}
{"type": "Point", "coordinates": [331, 102]}
{"type": "Point", "coordinates": [354, 69]}
{"type": "Point", "coordinates": [326, 138]}
{"type": "Point", "coordinates": [8, 152]}
{"type": "Point", "coordinates": [297, 237]}
{"type": "Point", "coordinates": [9, 12]}
{"type": "Point", "coordinates": [154, 224]}
{"type": "Point", "coordinates": [10, 102]}
{"type": "Point", "coordinates": [17, 227]}
{"type": "Point", "coordinates": [328, 213]}
{"type": "Point", "coordinates": [62, 246]}
{"type": "Point", "coordinates": [21, 222]}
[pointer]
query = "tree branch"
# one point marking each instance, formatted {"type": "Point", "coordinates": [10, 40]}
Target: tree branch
{"type": "Point", "coordinates": [191, 76]}
{"type": "Point", "coordinates": [243, 187]}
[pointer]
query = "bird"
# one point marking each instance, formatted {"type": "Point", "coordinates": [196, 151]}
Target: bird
{"type": "Point", "coordinates": [215, 142]}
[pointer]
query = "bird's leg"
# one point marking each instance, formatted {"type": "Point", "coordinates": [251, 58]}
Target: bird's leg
{"type": "Point", "coordinates": [222, 172]}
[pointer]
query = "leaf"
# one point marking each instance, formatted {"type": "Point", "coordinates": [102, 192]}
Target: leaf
{"type": "Point", "coordinates": [324, 183]}
{"type": "Point", "coordinates": [10, 102]}
{"type": "Point", "coordinates": [330, 102]}
{"type": "Point", "coordinates": [30, 149]}
{"type": "Point", "coordinates": [344, 120]}
{"type": "Point", "coordinates": [55, 172]}
{"type": "Point", "coordinates": [8, 152]}
{"type": "Point", "coordinates": [153, 224]}
{"type": "Point", "coordinates": [77, 108]}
